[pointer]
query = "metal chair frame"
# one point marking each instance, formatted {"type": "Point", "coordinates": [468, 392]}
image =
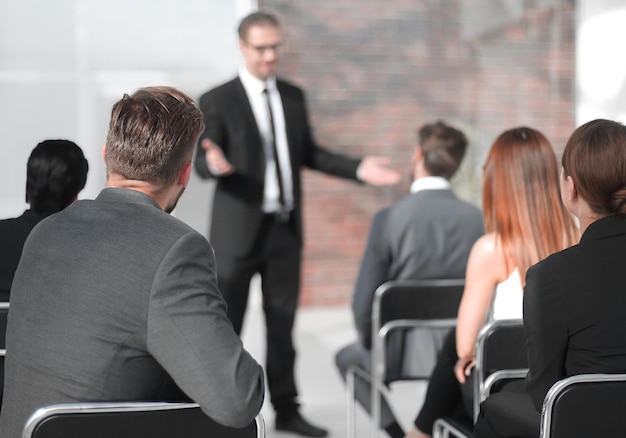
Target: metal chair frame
{"type": "Point", "coordinates": [557, 391]}
{"type": "Point", "coordinates": [49, 413]}
{"type": "Point", "coordinates": [483, 382]}
{"type": "Point", "coordinates": [445, 429]}
{"type": "Point", "coordinates": [383, 326]}
{"type": "Point", "coordinates": [4, 311]}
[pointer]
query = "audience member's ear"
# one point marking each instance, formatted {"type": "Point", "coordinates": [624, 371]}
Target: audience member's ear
{"type": "Point", "coordinates": [572, 193]}
{"type": "Point", "coordinates": [104, 153]}
{"type": "Point", "coordinates": [184, 174]}
{"type": "Point", "coordinates": [418, 154]}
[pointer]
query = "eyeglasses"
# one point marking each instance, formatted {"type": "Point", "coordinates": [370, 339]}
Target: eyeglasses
{"type": "Point", "coordinates": [262, 49]}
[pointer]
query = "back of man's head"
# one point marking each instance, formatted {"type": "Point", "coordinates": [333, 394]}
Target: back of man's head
{"type": "Point", "coordinates": [55, 173]}
{"type": "Point", "coordinates": [443, 148]}
{"type": "Point", "coordinates": [152, 133]}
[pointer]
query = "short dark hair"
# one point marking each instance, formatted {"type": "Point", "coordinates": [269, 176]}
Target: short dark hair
{"type": "Point", "coordinates": [443, 148]}
{"type": "Point", "coordinates": [152, 133]}
{"type": "Point", "coordinates": [595, 158]}
{"type": "Point", "coordinates": [55, 173]}
{"type": "Point", "coordinates": [256, 19]}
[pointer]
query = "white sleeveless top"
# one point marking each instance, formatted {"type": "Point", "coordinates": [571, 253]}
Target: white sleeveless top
{"type": "Point", "coordinates": [507, 300]}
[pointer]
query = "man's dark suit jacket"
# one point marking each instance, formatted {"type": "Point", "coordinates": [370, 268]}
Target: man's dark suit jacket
{"type": "Point", "coordinates": [116, 300]}
{"type": "Point", "coordinates": [13, 234]}
{"type": "Point", "coordinates": [230, 123]}
{"type": "Point", "coordinates": [575, 309]}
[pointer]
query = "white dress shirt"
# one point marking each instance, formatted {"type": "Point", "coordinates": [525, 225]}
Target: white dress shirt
{"type": "Point", "coordinates": [430, 183]}
{"type": "Point", "coordinates": [254, 90]}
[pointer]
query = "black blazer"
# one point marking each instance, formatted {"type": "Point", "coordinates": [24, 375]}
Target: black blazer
{"type": "Point", "coordinates": [13, 234]}
{"type": "Point", "coordinates": [575, 309]}
{"type": "Point", "coordinates": [230, 123]}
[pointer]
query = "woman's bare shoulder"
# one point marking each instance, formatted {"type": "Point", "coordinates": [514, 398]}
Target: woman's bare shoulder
{"type": "Point", "coordinates": [487, 256]}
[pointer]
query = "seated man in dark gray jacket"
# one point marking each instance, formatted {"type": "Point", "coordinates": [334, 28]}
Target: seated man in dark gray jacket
{"type": "Point", "coordinates": [114, 299]}
{"type": "Point", "coordinates": [427, 234]}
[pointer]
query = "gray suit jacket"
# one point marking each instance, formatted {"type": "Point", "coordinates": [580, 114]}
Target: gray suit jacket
{"type": "Point", "coordinates": [428, 234]}
{"type": "Point", "coordinates": [116, 300]}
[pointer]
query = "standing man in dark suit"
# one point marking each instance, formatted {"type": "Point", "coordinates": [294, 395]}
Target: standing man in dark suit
{"type": "Point", "coordinates": [56, 171]}
{"type": "Point", "coordinates": [257, 137]}
{"type": "Point", "coordinates": [114, 299]}
{"type": "Point", "coordinates": [427, 234]}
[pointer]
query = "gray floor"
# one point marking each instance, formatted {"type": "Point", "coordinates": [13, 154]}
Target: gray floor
{"type": "Point", "coordinates": [319, 333]}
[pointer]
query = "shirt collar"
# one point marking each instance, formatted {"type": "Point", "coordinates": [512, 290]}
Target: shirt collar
{"type": "Point", "coordinates": [253, 84]}
{"type": "Point", "coordinates": [430, 183]}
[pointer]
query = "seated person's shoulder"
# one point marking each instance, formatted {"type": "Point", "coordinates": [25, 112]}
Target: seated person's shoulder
{"type": "Point", "coordinates": [487, 251]}
{"type": "Point", "coordinates": [488, 243]}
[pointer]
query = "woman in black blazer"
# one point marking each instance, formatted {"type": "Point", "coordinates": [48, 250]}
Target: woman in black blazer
{"type": "Point", "coordinates": [574, 300]}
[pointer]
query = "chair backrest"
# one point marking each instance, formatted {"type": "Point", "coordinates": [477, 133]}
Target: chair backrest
{"type": "Point", "coordinates": [500, 353]}
{"type": "Point", "coordinates": [402, 305]}
{"type": "Point", "coordinates": [130, 419]}
{"type": "Point", "coordinates": [585, 405]}
{"type": "Point", "coordinates": [416, 300]}
{"type": "Point", "coordinates": [4, 313]}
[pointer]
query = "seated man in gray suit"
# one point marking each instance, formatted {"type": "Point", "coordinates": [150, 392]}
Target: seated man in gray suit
{"type": "Point", "coordinates": [114, 299]}
{"type": "Point", "coordinates": [426, 234]}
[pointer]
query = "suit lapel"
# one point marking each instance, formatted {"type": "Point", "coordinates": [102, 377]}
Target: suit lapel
{"type": "Point", "coordinates": [254, 140]}
{"type": "Point", "coordinates": [290, 108]}
{"type": "Point", "coordinates": [243, 102]}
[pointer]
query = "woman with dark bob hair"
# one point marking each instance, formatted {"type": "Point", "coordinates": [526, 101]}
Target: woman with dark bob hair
{"type": "Point", "coordinates": [574, 300]}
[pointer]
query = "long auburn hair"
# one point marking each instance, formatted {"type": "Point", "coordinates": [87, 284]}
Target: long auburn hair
{"type": "Point", "coordinates": [522, 201]}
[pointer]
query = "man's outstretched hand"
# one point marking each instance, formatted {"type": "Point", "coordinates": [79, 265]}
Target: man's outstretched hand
{"type": "Point", "coordinates": [375, 170]}
{"type": "Point", "coordinates": [215, 159]}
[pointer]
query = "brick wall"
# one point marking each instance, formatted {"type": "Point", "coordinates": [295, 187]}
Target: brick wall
{"type": "Point", "coordinates": [374, 71]}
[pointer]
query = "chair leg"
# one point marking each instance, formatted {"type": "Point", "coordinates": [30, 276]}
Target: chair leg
{"type": "Point", "coordinates": [378, 371]}
{"type": "Point", "coordinates": [375, 419]}
{"type": "Point", "coordinates": [443, 429]}
{"type": "Point", "coordinates": [350, 404]}
{"type": "Point", "coordinates": [351, 374]}
{"type": "Point", "coordinates": [439, 431]}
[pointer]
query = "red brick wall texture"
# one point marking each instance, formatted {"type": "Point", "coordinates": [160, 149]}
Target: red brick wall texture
{"type": "Point", "coordinates": [374, 71]}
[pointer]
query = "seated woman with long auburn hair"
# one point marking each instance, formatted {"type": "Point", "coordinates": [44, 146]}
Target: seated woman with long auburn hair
{"type": "Point", "coordinates": [574, 300]}
{"type": "Point", "coordinates": [525, 222]}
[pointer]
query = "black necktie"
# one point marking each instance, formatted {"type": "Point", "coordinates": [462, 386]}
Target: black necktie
{"type": "Point", "coordinates": [279, 175]}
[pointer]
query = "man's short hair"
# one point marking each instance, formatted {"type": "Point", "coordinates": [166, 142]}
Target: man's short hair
{"type": "Point", "coordinates": [152, 133]}
{"type": "Point", "coordinates": [56, 172]}
{"type": "Point", "coordinates": [256, 19]}
{"type": "Point", "coordinates": [443, 148]}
